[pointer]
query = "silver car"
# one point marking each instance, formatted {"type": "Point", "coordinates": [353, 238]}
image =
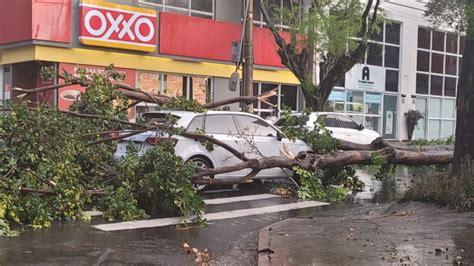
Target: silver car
{"type": "Point", "coordinates": [245, 132]}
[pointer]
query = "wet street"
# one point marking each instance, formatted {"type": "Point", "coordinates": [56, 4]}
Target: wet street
{"type": "Point", "coordinates": [229, 241]}
{"type": "Point", "coordinates": [234, 216]}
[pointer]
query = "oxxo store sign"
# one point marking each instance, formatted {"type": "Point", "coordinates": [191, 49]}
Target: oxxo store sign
{"type": "Point", "coordinates": [117, 26]}
{"type": "Point", "coordinates": [365, 77]}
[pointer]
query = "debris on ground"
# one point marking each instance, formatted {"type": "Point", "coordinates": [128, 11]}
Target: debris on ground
{"type": "Point", "coordinates": [200, 257]}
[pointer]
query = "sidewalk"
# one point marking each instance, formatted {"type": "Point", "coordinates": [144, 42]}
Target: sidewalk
{"type": "Point", "coordinates": [407, 233]}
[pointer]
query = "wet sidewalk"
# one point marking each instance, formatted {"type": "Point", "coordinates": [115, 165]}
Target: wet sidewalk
{"type": "Point", "coordinates": [400, 234]}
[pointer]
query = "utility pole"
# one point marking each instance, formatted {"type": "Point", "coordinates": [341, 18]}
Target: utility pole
{"type": "Point", "coordinates": [248, 55]}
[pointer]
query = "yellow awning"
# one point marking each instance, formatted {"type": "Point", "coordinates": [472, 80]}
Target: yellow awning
{"type": "Point", "coordinates": [135, 61]}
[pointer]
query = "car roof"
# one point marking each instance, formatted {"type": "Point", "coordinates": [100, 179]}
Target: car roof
{"type": "Point", "coordinates": [185, 117]}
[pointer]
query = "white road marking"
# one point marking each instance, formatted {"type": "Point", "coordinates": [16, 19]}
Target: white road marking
{"type": "Point", "coordinates": [220, 191]}
{"type": "Point", "coordinates": [240, 198]}
{"type": "Point", "coordinates": [208, 216]}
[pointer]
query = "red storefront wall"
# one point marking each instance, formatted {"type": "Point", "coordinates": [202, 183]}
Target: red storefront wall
{"type": "Point", "coordinates": [23, 20]}
{"type": "Point", "coordinates": [209, 39]}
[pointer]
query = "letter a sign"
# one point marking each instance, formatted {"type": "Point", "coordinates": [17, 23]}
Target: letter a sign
{"type": "Point", "coordinates": [117, 26]}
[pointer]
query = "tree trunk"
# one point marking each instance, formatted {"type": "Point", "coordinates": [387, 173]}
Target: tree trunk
{"type": "Point", "coordinates": [464, 146]}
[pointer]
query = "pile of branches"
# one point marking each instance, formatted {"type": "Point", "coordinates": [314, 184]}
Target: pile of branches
{"type": "Point", "coordinates": [56, 163]}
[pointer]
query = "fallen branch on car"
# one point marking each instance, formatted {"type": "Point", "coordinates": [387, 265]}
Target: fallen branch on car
{"type": "Point", "coordinates": [313, 162]}
{"type": "Point", "coordinates": [138, 95]}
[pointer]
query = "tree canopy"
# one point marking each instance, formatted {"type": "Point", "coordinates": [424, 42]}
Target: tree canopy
{"type": "Point", "coordinates": [333, 34]}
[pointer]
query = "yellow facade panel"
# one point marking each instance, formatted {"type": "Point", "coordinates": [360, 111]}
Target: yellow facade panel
{"type": "Point", "coordinates": [139, 62]}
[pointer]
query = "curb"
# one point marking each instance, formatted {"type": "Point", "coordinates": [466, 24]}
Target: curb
{"type": "Point", "coordinates": [263, 251]}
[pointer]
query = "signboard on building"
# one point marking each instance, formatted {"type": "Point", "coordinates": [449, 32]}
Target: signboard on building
{"type": "Point", "coordinates": [365, 77]}
{"type": "Point", "coordinates": [117, 26]}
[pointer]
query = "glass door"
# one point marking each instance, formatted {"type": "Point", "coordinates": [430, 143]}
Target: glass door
{"type": "Point", "coordinates": [421, 105]}
{"type": "Point", "coordinates": [389, 130]}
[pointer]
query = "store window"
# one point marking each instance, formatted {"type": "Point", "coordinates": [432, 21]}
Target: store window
{"type": "Point", "coordinates": [373, 103]}
{"type": "Point", "coordinates": [195, 8]}
{"type": "Point", "coordinates": [355, 101]}
{"type": "Point", "coordinates": [337, 99]}
{"type": "Point", "coordinates": [199, 89]}
{"type": "Point", "coordinates": [288, 96]}
{"type": "Point", "coordinates": [149, 82]}
{"type": "Point", "coordinates": [363, 107]}
{"type": "Point", "coordinates": [189, 87]}
{"type": "Point", "coordinates": [174, 86]}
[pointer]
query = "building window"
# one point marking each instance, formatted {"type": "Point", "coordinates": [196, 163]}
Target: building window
{"type": "Point", "coordinates": [288, 96]}
{"type": "Point", "coordinates": [423, 63]}
{"type": "Point", "coordinates": [438, 68]}
{"type": "Point", "coordinates": [424, 38]}
{"type": "Point", "coordinates": [374, 54]}
{"type": "Point", "coordinates": [391, 80]}
{"type": "Point", "coordinates": [364, 107]}
{"type": "Point", "coordinates": [393, 33]}
{"type": "Point", "coordinates": [392, 56]}
{"type": "Point", "coordinates": [438, 65]}
{"type": "Point", "coordinates": [274, 5]}
{"type": "Point", "coordinates": [422, 83]}
{"type": "Point", "coordinates": [195, 8]}
{"type": "Point", "coordinates": [189, 87]}
{"type": "Point", "coordinates": [384, 50]}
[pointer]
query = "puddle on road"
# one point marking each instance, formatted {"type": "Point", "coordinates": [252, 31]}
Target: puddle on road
{"type": "Point", "coordinates": [389, 189]}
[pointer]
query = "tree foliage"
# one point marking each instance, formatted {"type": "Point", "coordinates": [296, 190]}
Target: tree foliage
{"type": "Point", "coordinates": [54, 164]}
{"type": "Point", "coordinates": [332, 33]}
{"type": "Point", "coordinates": [320, 184]}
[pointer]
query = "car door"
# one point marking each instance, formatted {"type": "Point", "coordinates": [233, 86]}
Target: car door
{"type": "Point", "coordinates": [223, 128]}
{"type": "Point", "coordinates": [332, 124]}
{"type": "Point", "coordinates": [261, 140]}
{"type": "Point", "coordinates": [350, 129]}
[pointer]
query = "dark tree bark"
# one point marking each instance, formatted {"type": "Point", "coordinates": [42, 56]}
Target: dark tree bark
{"type": "Point", "coordinates": [464, 146]}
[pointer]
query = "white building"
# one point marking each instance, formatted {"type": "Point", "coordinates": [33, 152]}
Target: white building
{"type": "Point", "coordinates": [408, 66]}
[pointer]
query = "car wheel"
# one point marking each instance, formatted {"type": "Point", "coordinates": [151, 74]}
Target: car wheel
{"type": "Point", "coordinates": [202, 163]}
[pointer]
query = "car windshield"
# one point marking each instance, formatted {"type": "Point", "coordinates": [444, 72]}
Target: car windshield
{"type": "Point", "coordinates": [160, 118]}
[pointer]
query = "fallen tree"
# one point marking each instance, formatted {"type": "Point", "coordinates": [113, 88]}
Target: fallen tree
{"type": "Point", "coordinates": [55, 163]}
{"type": "Point", "coordinates": [351, 154]}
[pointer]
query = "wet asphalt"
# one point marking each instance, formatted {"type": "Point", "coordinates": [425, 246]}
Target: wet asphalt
{"type": "Point", "coordinates": [230, 241]}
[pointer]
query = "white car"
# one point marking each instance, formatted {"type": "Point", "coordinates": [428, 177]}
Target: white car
{"type": "Point", "coordinates": [342, 127]}
{"type": "Point", "coordinates": [245, 132]}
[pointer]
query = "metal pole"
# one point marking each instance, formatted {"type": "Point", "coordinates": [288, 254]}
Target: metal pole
{"type": "Point", "coordinates": [248, 56]}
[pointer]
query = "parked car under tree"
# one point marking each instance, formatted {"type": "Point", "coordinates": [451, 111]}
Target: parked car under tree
{"type": "Point", "coordinates": [341, 127]}
{"type": "Point", "coordinates": [247, 133]}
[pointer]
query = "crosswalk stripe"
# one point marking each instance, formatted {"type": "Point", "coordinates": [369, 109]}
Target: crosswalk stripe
{"type": "Point", "coordinates": [240, 199]}
{"type": "Point", "coordinates": [208, 216]}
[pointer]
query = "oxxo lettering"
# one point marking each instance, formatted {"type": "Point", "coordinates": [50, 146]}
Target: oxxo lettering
{"type": "Point", "coordinates": [117, 26]}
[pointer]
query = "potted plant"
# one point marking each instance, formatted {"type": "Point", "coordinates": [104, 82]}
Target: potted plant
{"type": "Point", "coordinates": [412, 117]}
